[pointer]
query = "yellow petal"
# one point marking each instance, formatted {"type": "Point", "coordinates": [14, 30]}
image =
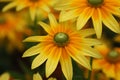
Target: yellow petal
{"type": "Point", "coordinates": [63, 5]}
{"type": "Point", "coordinates": [88, 51]}
{"type": "Point", "coordinates": [9, 6]}
{"type": "Point", "coordinates": [84, 17]}
{"type": "Point", "coordinates": [53, 21]}
{"type": "Point", "coordinates": [37, 76]}
{"type": "Point", "coordinates": [87, 32]}
{"type": "Point", "coordinates": [91, 42]}
{"type": "Point", "coordinates": [5, 76]}
{"type": "Point", "coordinates": [78, 57]}
{"type": "Point", "coordinates": [32, 13]}
{"type": "Point", "coordinates": [110, 22]}
{"type": "Point", "coordinates": [32, 51]}
{"type": "Point", "coordinates": [67, 15]}
{"type": "Point", "coordinates": [53, 60]}
{"type": "Point", "coordinates": [45, 26]}
{"type": "Point", "coordinates": [118, 74]}
{"type": "Point", "coordinates": [45, 8]}
{"type": "Point", "coordinates": [35, 39]}
{"type": "Point", "coordinates": [113, 9]}
{"type": "Point", "coordinates": [97, 22]}
{"type": "Point", "coordinates": [20, 7]}
{"type": "Point", "coordinates": [66, 65]}
{"type": "Point", "coordinates": [41, 58]}
{"type": "Point", "coordinates": [110, 71]}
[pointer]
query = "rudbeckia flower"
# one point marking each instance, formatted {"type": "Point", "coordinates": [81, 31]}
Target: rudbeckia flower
{"type": "Point", "coordinates": [12, 29]}
{"type": "Point", "coordinates": [99, 11]}
{"type": "Point", "coordinates": [110, 63]}
{"type": "Point", "coordinates": [62, 43]}
{"type": "Point", "coordinates": [34, 6]}
{"type": "Point", "coordinates": [37, 76]}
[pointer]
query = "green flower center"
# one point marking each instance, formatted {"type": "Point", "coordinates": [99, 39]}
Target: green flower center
{"type": "Point", "coordinates": [61, 39]}
{"type": "Point", "coordinates": [113, 56]}
{"type": "Point", "coordinates": [95, 2]}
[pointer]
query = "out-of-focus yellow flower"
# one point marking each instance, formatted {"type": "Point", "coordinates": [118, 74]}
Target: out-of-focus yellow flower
{"type": "Point", "coordinates": [62, 43]}
{"type": "Point", "coordinates": [110, 64]}
{"type": "Point", "coordinates": [34, 6]}
{"type": "Point", "coordinates": [5, 76]}
{"type": "Point", "coordinates": [100, 11]}
{"type": "Point", "coordinates": [12, 28]}
{"type": "Point", "coordinates": [37, 76]}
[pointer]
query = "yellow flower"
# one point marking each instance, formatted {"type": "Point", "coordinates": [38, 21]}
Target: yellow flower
{"type": "Point", "coordinates": [62, 43]}
{"type": "Point", "coordinates": [110, 64]}
{"type": "Point", "coordinates": [99, 11]}
{"type": "Point", "coordinates": [33, 5]}
{"type": "Point", "coordinates": [12, 28]}
{"type": "Point", "coordinates": [5, 76]}
{"type": "Point", "coordinates": [37, 76]}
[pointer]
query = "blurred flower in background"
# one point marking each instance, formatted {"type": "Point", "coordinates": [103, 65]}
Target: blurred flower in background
{"type": "Point", "coordinates": [110, 64]}
{"type": "Point", "coordinates": [100, 11]}
{"type": "Point", "coordinates": [35, 6]}
{"type": "Point", "coordinates": [12, 30]}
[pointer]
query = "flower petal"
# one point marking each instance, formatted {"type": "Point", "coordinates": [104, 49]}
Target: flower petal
{"type": "Point", "coordinates": [37, 77]}
{"type": "Point", "coordinates": [41, 58]}
{"type": "Point", "coordinates": [87, 32]}
{"type": "Point", "coordinates": [35, 39]}
{"type": "Point", "coordinates": [9, 6]}
{"type": "Point", "coordinates": [32, 51]}
{"type": "Point", "coordinates": [32, 13]}
{"type": "Point", "coordinates": [67, 15]}
{"type": "Point", "coordinates": [78, 57]}
{"type": "Point", "coordinates": [97, 22]}
{"type": "Point", "coordinates": [20, 7]}
{"type": "Point", "coordinates": [84, 17]}
{"type": "Point", "coordinates": [91, 42]}
{"type": "Point", "coordinates": [53, 21]}
{"type": "Point", "coordinates": [45, 26]}
{"type": "Point", "coordinates": [53, 60]}
{"type": "Point", "coordinates": [110, 71]}
{"type": "Point", "coordinates": [110, 22]}
{"type": "Point", "coordinates": [88, 51]}
{"type": "Point", "coordinates": [66, 65]}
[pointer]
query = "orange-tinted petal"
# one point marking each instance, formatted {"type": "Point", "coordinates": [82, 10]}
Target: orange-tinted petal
{"type": "Point", "coordinates": [53, 60]}
{"type": "Point", "coordinates": [84, 17]}
{"type": "Point", "coordinates": [110, 21]}
{"type": "Point", "coordinates": [66, 65]}
{"type": "Point", "coordinates": [78, 57]}
{"type": "Point", "coordinates": [97, 22]}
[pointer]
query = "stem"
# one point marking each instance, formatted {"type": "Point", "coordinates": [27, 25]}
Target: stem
{"type": "Point", "coordinates": [90, 71]}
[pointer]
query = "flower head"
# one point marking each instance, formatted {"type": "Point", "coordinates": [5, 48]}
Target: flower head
{"type": "Point", "coordinates": [110, 64]}
{"type": "Point", "coordinates": [34, 6]}
{"type": "Point", "coordinates": [100, 11]}
{"type": "Point", "coordinates": [62, 43]}
{"type": "Point", "coordinates": [11, 33]}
